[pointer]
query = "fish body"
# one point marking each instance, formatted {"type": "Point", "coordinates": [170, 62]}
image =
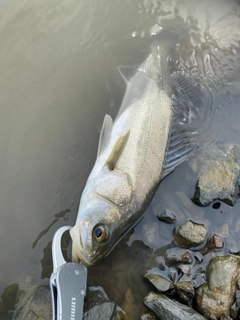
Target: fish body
{"type": "Point", "coordinates": [131, 157]}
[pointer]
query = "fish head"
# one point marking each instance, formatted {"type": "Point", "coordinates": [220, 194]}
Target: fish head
{"type": "Point", "coordinates": [103, 218]}
{"type": "Point", "coordinates": [95, 231]}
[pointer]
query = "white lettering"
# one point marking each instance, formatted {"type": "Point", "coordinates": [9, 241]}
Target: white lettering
{"type": "Point", "coordinates": [73, 308]}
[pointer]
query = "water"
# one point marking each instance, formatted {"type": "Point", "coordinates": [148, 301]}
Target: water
{"type": "Point", "coordinates": [58, 77]}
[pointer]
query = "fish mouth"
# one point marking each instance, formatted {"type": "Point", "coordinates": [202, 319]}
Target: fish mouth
{"type": "Point", "coordinates": [79, 257]}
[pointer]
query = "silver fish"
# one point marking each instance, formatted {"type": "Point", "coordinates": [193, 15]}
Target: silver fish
{"type": "Point", "coordinates": [132, 155]}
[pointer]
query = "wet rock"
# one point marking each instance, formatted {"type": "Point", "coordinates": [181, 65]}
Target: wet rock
{"type": "Point", "coordinates": [178, 256]}
{"type": "Point", "coordinates": [166, 308]}
{"type": "Point", "coordinates": [166, 216]}
{"type": "Point", "coordinates": [198, 281]}
{"type": "Point", "coordinates": [9, 297]}
{"type": "Point", "coordinates": [199, 257]}
{"type": "Point", "coordinates": [234, 311]}
{"type": "Point", "coordinates": [218, 172]}
{"type": "Point", "coordinates": [97, 306]}
{"type": "Point", "coordinates": [35, 302]}
{"type": "Point", "coordinates": [104, 311]}
{"type": "Point", "coordinates": [185, 290]}
{"type": "Point", "coordinates": [156, 277]}
{"type": "Point", "coordinates": [173, 274]}
{"type": "Point", "coordinates": [186, 269]}
{"type": "Point", "coordinates": [215, 242]}
{"type": "Point", "coordinates": [233, 251]}
{"type": "Point", "coordinates": [225, 317]}
{"type": "Point", "coordinates": [217, 296]}
{"type": "Point", "coordinates": [237, 296]}
{"type": "Point", "coordinates": [190, 234]}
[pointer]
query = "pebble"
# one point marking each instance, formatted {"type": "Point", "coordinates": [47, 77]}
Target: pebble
{"type": "Point", "coordinates": [178, 256]}
{"type": "Point", "coordinates": [190, 234]}
{"type": "Point", "coordinates": [219, 172]}
{"type": "Point", "coordinates": [166, 308]}
{"type": "Point", "coordinates": [156, 277]}
{"type": "Point", "coordinates": [166, 216]}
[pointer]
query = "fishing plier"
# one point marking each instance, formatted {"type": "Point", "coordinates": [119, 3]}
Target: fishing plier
{"type": "Point", "coordinates": [67, 282]}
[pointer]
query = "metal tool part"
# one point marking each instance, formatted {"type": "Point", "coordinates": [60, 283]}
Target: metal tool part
{"type": "Point", "coordinates": [67, 282]}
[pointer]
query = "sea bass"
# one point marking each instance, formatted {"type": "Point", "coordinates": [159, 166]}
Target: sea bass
{"type": "Point", "coordinates": [133, 155]}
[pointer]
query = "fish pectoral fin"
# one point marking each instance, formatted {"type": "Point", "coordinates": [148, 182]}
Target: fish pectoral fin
{"type": "Point", "coordinates": [127, 72]}
{"type": "Point", "coordinates": [117, 151]}
{"type": "Point", "coordinates": [104, 134]}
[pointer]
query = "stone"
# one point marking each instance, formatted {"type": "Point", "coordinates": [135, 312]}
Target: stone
{"type": "Point", "coordinates": [234, 310]}
{"type": "Point", "coordinates": [237, 296]}
{"type": "Point", "coordinates": [198, 281]}
{"type": "Point", "coordinates": [178, 256]}
{"type": "Point", "coordinates": [234, 251]}
{"type": "Point", "coordinates": [97, 306]}
{"type": "Point", "coordinates": [186, 269]}
{"type": "Point", "coordinates": [185, 291]}
{"type": "Point", "coordinates": [190, 234]}
{"type": "Point", "coordinates": [215, 242]}
{"type": "Point", "coordinates": [156, 277]}
{"type": "Point", "coordinates": [218, 175]}
{"type": "Point", "coordinates": [199, 257]}
{"type": "Point", "coordinates": [166, 308]}
{"type": "Point", "coordinates": [35, 303]}
{"type": "Point", "coordinates": [218, 294]}
{"type": "Point", "coordinates": [166, 216]}
{"type": "Point", "coordinates": [104, 311]}
{"type": "Point", "coordinates": [173, 274]}
{"type": "Point", "coordinates": [225, 317]}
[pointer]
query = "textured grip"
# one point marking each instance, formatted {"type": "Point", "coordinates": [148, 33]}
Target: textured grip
{"type": "Point", "coordinates": [71, 289]}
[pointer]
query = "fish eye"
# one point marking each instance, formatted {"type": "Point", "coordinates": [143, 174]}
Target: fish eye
{"type": "Point", "coordinates": [100, 233]}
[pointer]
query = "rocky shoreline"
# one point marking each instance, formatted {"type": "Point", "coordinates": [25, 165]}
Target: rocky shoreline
{"type": "Point", "coordinates": [195, 274]}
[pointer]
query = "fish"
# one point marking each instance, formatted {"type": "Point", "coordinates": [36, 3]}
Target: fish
{"type": "Point", "coordinates": [135, 152]}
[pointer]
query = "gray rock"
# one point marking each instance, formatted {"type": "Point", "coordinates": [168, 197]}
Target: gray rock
{"type": "Point", "coordinates": [237, 295]}
{"type": "Point", "coordinates": [215, 242]}
{"type": "Point", "coordinates": [104, 311]}
{"type": "Point", "coordinates": [178, 256]}
{"type": "Point", "coordinates": [35, 301]}
{"type": "Point", "coordinates": [218, 175]}
{"type": "Point", "coordinates": [225, 317]}
{"type": "Point", "coordinates": [190, 234]}
{"type": "Point", "coordinates": [198, 281]}
{"type": "Point", "coordinates": [217, 296]}
{"type": "Point", "coordinates": [98, 306]}
{"type": "Point", "coordinates": [234, 310]}
{"type": "Point", "coordinates": [233, 251]}
{"type": "Point", "coordinates": [156, 277]}
{"type": "Point", "coordinates": [166, 308]}
{"type": "Point", "coordinates": [173, 274]}
{"type": "Point", "coordinates": [199, 257]}
{"type": "Point", "coordinates": [186, 269]}
{"type": "Point", "coordinates": [166, 216]}
{"type": "Point", "coordinates": [185, 290]}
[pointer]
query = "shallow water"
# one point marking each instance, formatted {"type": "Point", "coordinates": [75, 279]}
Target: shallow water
{"type": "Point", "coordinates": [59, 77]}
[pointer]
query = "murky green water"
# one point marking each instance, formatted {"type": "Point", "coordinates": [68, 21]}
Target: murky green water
{"type": "Point", "coordinates": [58, 78]}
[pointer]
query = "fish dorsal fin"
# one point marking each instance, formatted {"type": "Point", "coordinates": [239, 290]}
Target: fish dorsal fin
{"type": "Point", "coordinates": [117, 151]}
{"type": "Point", "coordinates": [104, 133]}
{"type": "Point", "coordinates": [127, 72]}
{"type": "Point", "coordinates": [193, 110]}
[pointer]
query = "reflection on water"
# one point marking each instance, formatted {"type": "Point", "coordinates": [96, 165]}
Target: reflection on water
{"type": "Point", "coordinates": [58, 78]}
